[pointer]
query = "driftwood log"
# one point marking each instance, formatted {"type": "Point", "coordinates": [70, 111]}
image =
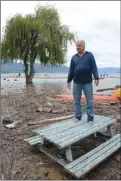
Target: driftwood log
{"type": "Point", "coordinates": [107, 89]}
{"type": "Point", "coordinates": [51, 120]}
{"type": "Point", "coordinates": [101, 90]}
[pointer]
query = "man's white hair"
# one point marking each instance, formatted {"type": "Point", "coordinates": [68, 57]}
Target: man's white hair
{"type": "Point", "coordinates": [80, 41]}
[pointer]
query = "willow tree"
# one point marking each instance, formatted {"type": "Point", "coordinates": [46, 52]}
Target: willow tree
{"type": "Point", "coordinates": [39, 36]}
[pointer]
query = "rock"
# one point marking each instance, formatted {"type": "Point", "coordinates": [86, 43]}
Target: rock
{"type": "Point", "coordinates": [48, 110]}
{"type": "Point", "coordinates": [4, 79]}
{"type": "Point", "coordinates": [49, 104]}
{"type": "Point", "coordinates": [50, 98]}
{"type": "Point", "coordinates": [118, 118]}
{"type": "Point", "coordinates": [40, 163]}
{"type": "Point", "coordinates": [15, 80]}
{"type": "Point", "coordinates": [13, 125]}
{"type": "Point", "coordinates": [40, 109]}
{"type": "Point", "coordinates": [6, 121]}
{"type": "Point", "coordinates": [118, 158]}
{"type": "Point", "coordinates": [57, 111]}
{"type": "Point", "coordinates": [10, 125]}
{"type": "Point", "coordinates": [107, 104]}
{"type": "Point", "coordinates": [112, 103]}
{"type": "Point", "coordinates": [46, 174]}
{"type": "Point", "coordinates": [119, 106]}
{"type": "Point", "coordinates": [99, 110]}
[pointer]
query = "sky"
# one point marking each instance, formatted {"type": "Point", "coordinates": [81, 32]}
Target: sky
{"type": "Point", "coordinates": [96, 22]}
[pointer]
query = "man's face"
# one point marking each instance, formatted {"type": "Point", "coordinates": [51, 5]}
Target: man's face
{"type": "Point", "coordinates": [80, 46]}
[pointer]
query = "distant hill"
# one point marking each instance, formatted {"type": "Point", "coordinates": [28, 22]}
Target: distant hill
{"type": "Point", "coordinates": [19, 68]}
{"type": "Point", "coordinates": [109, 70]}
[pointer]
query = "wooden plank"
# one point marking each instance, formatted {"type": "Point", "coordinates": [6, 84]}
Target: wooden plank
{"type": "Point", "coordinates": [50, 120]}
{"type": "Point", "coordinates": [53, 127]}
{"type": "Point", "coordinates": [97, 155]}
{"type": "Point", "coordinates": [74, 131]}
{"type": "Point", "coordinates": [92, 152]}
{"type": "Point", "coordinates": [44, 129]}
{"type": "Point", "coordinates": [64, 128]}
{"type": "Point", "coordinates": [77, 137]}
{"type": "Point", "coordinates": [97, 161]}
{"type": "Point", "coordinates": [77, 127]}
{"type": "Point", "coordinates": [84, 128]}
{"type": "Point", "coordinates": [69, 154]}
{"type": "Point", "coordinates": [86, 169]}
{"type": "Point", "coordinates": [59, 132]}
{"type": "Point", "coordinates": [34, 140]}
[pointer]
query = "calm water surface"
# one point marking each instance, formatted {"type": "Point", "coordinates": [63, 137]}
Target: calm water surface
{"type": "Point", "coordinates": [11, 86]}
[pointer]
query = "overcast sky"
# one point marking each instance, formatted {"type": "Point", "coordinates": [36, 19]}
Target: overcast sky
{"type": "Point", "coordinates": [98, 23]}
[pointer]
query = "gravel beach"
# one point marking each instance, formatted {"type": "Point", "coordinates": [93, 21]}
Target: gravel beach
{"type": "Point", "coordinates": [18, 160]}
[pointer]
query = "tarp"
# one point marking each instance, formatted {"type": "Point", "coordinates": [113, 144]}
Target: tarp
{"type": "Point", "coordinates": [97, 98]}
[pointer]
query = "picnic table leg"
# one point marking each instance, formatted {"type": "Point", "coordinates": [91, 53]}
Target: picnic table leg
{"type": "Point", "coordinates": [95, 135]}
{"type": "Point", "coordinates": [110, 130]}
{"type": "Point", "coordinates": [69, 154]}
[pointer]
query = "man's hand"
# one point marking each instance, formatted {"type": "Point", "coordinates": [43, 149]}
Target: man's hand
{"type": "Point", "coordinates": [69, 85]}
{"type": "Point", "coordinates": [96, 82]}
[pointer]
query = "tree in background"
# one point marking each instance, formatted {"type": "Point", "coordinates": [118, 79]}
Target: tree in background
{"type": "Point", "coordinates": [39, 36]}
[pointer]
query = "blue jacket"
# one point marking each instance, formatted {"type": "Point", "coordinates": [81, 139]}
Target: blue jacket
{"type": "Point", "coordinates": [82, 68]}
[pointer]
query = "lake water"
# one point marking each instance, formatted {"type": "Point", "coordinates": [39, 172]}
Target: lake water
{"type": "Point", "coordinates": [10, 85]}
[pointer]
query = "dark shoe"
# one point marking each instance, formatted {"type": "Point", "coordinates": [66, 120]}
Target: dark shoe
{"type": "Point", "coordinates": [78, 119]}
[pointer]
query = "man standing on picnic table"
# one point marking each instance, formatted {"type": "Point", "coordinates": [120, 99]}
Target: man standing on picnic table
{"type": "Point", "coordinates": [82, 67]}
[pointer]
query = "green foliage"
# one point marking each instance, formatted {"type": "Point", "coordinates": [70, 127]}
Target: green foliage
{"type": "Point", "coordinates": [39, 36]}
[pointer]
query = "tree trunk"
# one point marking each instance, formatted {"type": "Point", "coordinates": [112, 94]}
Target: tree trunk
{"type": "Point", "coordinates": [29, 79]}
{"type": "Point", "coordinates": [29, 76]}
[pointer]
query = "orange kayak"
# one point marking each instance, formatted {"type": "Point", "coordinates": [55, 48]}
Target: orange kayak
{"type": "Point", "coordinates": [97, 98]}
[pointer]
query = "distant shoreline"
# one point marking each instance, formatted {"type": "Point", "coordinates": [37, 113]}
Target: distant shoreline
{"type": "Point", "coordinates": [46, 76]}
{"type": "Point", "coordinates": [49, 76]}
